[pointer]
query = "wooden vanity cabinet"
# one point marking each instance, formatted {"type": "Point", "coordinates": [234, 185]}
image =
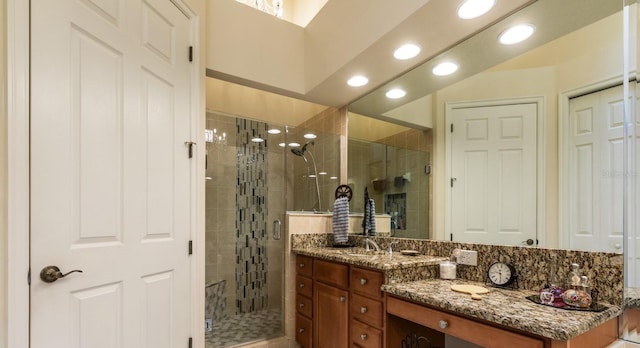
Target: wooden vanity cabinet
{"type": "Point", "coordinates": [347, 305]}
{"type": "Point", "coordinates": [367, 308]}
{"type": "Point", "coordinates": [304, 301]}
{"type": "Point", "coordinates": [331, 304]}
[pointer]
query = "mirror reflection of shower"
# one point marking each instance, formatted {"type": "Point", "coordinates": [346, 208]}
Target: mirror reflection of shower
{"type": "Point", "coordinates": [301, 153]}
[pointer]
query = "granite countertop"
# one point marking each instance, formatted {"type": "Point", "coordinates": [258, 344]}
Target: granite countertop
{"type": "Point", "coordinates": [379, 260]}
{"type": "Point", "coordinates": [505, 307]}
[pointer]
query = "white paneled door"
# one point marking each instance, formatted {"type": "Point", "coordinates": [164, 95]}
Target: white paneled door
{"type": "Point", "coordinates": [493, 174]}
{"type": "Point", "coordinates": [595, 171]}
{"type": "Point", "coordinates": [111, 179]}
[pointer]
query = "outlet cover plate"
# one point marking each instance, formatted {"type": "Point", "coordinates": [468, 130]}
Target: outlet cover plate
{"type": "Point", "coordinates": [468, 257]}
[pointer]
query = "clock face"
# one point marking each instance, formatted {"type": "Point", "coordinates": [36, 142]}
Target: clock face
{"type": "Point", "coordinates": [500, 273]}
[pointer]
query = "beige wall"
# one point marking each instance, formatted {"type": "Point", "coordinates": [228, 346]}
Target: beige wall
{"type": "Point", "coordinates": [590, 56]}
{"type": "Point", "coordinates": [3, 183]}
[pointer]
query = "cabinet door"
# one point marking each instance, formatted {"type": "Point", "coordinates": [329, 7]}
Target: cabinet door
{"type": "Point", "coordinates": [331, 316]}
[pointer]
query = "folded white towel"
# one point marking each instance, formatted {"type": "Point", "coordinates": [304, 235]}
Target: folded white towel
{"type": "Point", "coordinates": [340, 221]}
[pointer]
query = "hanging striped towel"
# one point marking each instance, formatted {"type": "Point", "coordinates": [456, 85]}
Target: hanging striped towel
{"type": "Point", "coordinates": [370, 217]}
{"type": "Point", "coordinates": [341, 219]}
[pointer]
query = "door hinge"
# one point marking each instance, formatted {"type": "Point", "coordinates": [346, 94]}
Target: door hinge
{"type": "Point", "coordinates": [452, 128]}
{"type": "Point", "coordinates": [29, 277]}
{"type": "Point", "coordinates": [190, 342]}
{"type": "Point", "coordinates": [452, 180]}
{"type": "Point", "coordinates": [451, 237]}
{"type": "Point", "coordinates": [191, 53]}
{"type": "Point", "coordinates": [190, 145]}
{"type": "Point", "coordinates": [190, 247]}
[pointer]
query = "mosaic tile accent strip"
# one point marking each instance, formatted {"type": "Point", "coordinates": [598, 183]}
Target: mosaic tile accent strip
{"type": "Point", "coordinates": [605, 270]}
{"type": "Point", "coordinates": [251, 217]}
{"type": "Point", "coordinates": [215, 303]}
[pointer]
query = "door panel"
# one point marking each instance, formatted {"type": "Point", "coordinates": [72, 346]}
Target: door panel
{"type": "Point", "coordinates": [110, 179]}
{"type": "Point", "coordinates": [595, 162]}
{"type": "Point", "coordinates": [494, 174]}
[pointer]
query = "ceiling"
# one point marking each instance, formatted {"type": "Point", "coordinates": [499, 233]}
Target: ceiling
{"type": "Point", "coordinates": [345, 38]}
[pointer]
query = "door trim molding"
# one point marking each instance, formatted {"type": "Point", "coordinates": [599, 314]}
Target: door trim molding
{"type": "Point", "coordinates": [540, 155]}
{"type": "Point", "coordinates": [564, 236]}
{"type": "Point", "coordinates": [18, 23]}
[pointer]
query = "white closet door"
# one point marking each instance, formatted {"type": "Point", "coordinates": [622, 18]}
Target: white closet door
{"type": "Point", "coordinates": [493, 174]}
{"type": "Point", "coordinates": [110, 179]}
{"type": "Point", "coordinates": [596, 123]}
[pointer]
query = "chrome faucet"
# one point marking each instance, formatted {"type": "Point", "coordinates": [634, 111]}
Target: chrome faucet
{"type": "Point", "coordinates": [368, 242]}
{"type": "Point", "coordinates": [391, 244]}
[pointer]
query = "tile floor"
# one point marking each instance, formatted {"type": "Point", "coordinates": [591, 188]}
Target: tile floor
{"type": "Point", "coordinates": [244, 328]}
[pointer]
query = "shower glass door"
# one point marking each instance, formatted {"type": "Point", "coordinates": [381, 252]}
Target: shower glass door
{"type": "Point", "coordinates": [245, 201]}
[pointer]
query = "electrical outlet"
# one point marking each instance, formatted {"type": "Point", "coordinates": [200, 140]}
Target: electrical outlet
{"type": "Point", "coordinates": [468, 257]}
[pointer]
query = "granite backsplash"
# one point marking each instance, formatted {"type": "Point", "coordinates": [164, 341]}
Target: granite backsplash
{"type": "Point", "coordinates": [535, 266]}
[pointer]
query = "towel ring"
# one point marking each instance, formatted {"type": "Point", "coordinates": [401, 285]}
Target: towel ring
{"type": "Point", "coordinates": [344, 191]}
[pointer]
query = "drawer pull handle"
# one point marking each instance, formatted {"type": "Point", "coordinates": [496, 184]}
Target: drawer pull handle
{"type": "Point", "coordinates": [342, 298]}
{"type": "Point", "coordinates": [301, 330]}
{"type": "Point", "coordinates": [301, 305]}
{"type": "Point", "coordinates": [363, 309]}
{"type": "Point", "coordinates": [443, 324]}
{"type": "Point", "coordinates": [301, 285]}
{"type": "Point", "coordinates": [363, 336]}
{"type": "Point", "coordinates": [302, 265]}
{"type": "Point", "coordinates": [363, 281]}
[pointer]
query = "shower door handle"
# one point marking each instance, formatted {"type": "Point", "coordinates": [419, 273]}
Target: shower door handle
{"type": "Point", "coordinates": [277, 229]}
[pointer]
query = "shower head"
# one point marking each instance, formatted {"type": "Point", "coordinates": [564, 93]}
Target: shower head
{"type": "Point", "coordinates": [300, 152]}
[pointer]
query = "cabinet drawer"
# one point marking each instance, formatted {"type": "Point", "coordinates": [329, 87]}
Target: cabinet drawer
{"type": "Point", "coordinates": [304, 265]}
{"type": "Point", "coordinates": [304, 333]}
{"type": "Point", "coordinates": [331, 273]}
{"type": "Point", "coordinates": [304, 306]}
{"type": "Point", "coordinates": [304, 286]}
{"type": "Point", "coordinates": [366, 310]}
{"type": "Point", "coordinates": [466, 329]}
{"type": "Point", "coordinates": [365, 336]}
{"type": "Point", "coordinates": [366, 282]}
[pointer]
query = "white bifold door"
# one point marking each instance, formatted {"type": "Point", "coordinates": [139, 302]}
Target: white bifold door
{"type": "Point", "coordinates": [111, 179]}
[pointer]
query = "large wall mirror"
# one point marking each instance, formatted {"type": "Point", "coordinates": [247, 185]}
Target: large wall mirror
{"type": "Point", "coordinates": [527, 138]}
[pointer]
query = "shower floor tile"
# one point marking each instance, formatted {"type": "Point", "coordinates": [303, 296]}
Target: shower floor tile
{"type": "Point", "coordinates": [245, 328]}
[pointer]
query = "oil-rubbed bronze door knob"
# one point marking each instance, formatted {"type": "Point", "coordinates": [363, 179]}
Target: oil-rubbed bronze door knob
{"type": "Point", "coordinates": [50, 274]}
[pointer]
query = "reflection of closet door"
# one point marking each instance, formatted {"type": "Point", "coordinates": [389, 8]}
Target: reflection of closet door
{"type": "Point", "coordinates": [493, 174]}
{"type": "Point", "coordinates": [595, 199]}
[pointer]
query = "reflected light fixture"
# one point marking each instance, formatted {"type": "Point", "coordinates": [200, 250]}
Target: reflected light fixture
{"type": "Point", "coordinates": [475, 8]}
{"type": "Point", "coordinates": [516, 34]}
{"type": "Point", "coordinates": [310, 136]}
{"type": "Point", "coordinates": [407, 51]}
{"type": "Point", "coordinates": [294, 145]}
{"type": "Point", "coordinates": [446, 68]}
{"type": "Point", "coordinates": [257, 139]}
{"type": "Point", "coordinates": [274, 131]}
{"type": "Point", "coordinates": [282, 144]}
{"type": "Point", "coordinates": [395, 93]}
{"type": "Point", "coordinates": [357, 81]}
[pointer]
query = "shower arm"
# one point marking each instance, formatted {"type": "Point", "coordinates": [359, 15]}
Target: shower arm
{"type": "Point", "coordinates": [315, 170]}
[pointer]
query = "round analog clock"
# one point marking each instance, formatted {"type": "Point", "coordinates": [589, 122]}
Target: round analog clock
{"type": "Point", "coordinates": [501, 274]}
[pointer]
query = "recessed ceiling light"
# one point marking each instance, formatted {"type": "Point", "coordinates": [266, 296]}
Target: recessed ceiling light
{"type": "Point", "coordinates": [282, 144]}
{"type": "Point", "coordinates": [273, 131]}
{"type": "Point", "coordinates": [322, 173]}
{"type": "Point", "coordinates": [475, 8]}
{"type": "Point", "coordinates": [310, 136]}
{"type": "Point", "coordinates": [312, 175]}
{"type": "Point", "coordinates": [516, 34]}
{"type": "Point", "coordinates": [257, 140]}
{"type": "Point", "coordinates": [407, 51]}
{"type": "Point", "coordinates": [357, 81]}
{"type": "Point", "coordinates": [334, 178]}
{"type": "Point", "coordinates": [395, 93]}
{"type": "Point", "coordinates": [446, 68]}
{"type": "Point", "coordinates": [294, 145]}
